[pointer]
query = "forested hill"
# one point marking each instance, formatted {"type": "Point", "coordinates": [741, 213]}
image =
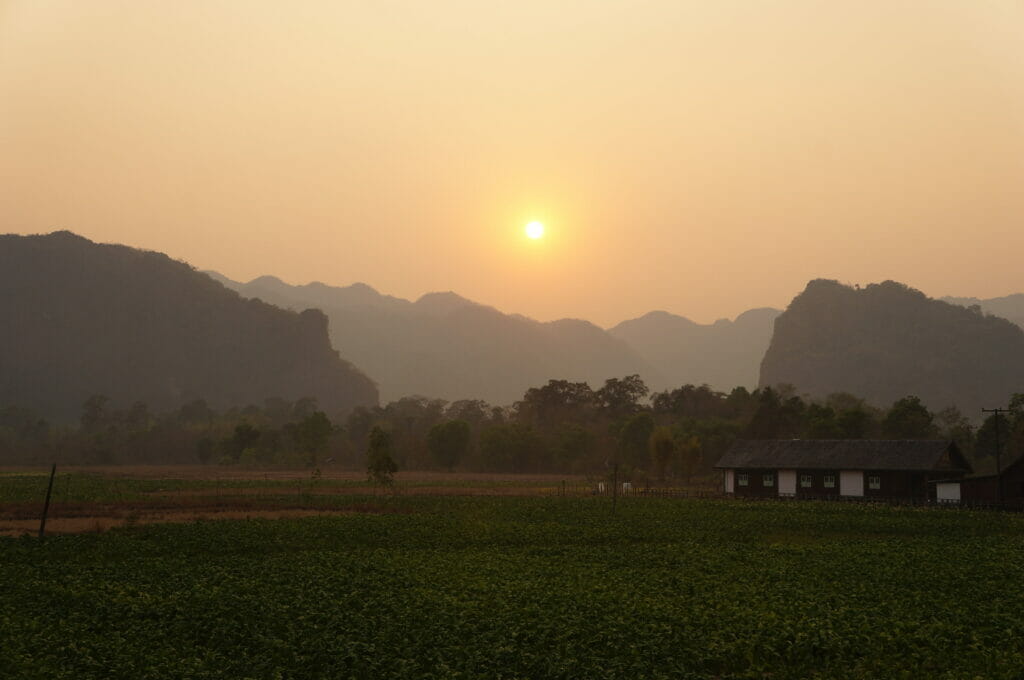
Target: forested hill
{"type": "Point", "coordinates": [886, 341]}
{"type": "Point", "coordinates": [80, 318]}
{"type": "Point", "coordinates": [724, 354]}
{"type": "Point", "coordinates": [445, 346]}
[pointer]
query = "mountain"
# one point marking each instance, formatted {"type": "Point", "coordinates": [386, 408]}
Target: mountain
{"type": "Point", "coordinates": [445, 346]}
{"type": "Point", "coordinates": [82, 318]}
{"type": "Point", "coordinates": [724, 354]}
{"type": "Point", "coordinates": [886, 341]}
{"type": "Point", "coordinates": [1009, 307]}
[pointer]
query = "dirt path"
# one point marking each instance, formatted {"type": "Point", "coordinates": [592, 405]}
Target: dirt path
{"type": "Point", "coordinates": [100, 523]}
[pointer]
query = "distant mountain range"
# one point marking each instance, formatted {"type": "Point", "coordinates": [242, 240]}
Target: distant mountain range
{"type": "Point", "coordinates": [443, 345]}
{"type": "Point", "coordinates": [886, 341]}
{"type": "Point", "coordinates": [724, 354]}
{"type": "Point", "coordinates": [1010, 307]}
{"type": "Point", "coordinates": [82, 318]}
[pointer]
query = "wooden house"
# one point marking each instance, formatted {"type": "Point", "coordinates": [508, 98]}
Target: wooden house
{"type": "Point", "coordinates": [1006, 488]}
{"type": "Point", "coordinates": [851, 468]}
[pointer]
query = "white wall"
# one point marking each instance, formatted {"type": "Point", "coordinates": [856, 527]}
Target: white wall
{"type": "Point", "coordinates": [947, 492]}
{"type": "Point", "coordinates": [851, 483]}
{"type": "Point", "coordinates": [787, 482]}
{"type": "Point", "coordinates": [729, 480]}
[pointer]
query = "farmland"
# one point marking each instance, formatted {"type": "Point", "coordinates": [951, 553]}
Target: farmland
{"type": "Point", "coordinates": [516, 586]}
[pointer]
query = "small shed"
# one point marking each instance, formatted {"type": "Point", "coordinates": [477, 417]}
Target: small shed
{"type": "Point", "coordinates": [852, 468]}
{"type": "Point", "coordinates": [1006, 488]}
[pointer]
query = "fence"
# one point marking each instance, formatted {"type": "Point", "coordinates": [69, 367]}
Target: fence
{"type": "Point", "coordinates": [626, 490]}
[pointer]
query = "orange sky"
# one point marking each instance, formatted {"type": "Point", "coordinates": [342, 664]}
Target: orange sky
{"type": "Point", "coordinates": [699, 157]}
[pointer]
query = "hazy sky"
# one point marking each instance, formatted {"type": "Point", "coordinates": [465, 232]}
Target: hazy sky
{"type": "Point", "coordinates": [699, 157]}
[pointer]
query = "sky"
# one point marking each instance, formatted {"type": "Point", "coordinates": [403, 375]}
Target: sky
{"type": "Point", "coordinates": [698, 157]}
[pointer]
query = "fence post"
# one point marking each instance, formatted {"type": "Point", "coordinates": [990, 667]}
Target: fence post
{"type": "Point", "coordinates": [615, 487]}
{"type": "Point", "coordinates": [46, 505]}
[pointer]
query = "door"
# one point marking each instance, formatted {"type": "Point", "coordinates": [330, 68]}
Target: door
{"type": "Point", "coordinates": [851, 483]}
{"type": "Point", "coordinates": [787, 482]}
{"type": "Point", "coordinates": [729, 481]}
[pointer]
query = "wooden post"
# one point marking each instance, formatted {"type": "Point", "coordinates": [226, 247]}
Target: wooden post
{"type": "Point", "coordinates": [46, 505]}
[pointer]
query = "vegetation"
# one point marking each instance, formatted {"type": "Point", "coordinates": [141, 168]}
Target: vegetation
{"type": "Point", "coordinates": [527, 588]}
{"type": "Point", "coordinates": [380, 466]}
{"type": "Point", "coordinates": [560, 427]}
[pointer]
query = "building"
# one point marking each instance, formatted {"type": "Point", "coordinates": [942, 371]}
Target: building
{"type": "Point", "coordinates": [851, 468]}
{"type": "Point", "coordinates": [1006, 488]}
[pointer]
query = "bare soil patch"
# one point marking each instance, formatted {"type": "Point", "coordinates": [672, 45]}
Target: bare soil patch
{"type": "Point", "coordinates": [213, 472]}
{"type": "Point", "coordinates": [101, 523]}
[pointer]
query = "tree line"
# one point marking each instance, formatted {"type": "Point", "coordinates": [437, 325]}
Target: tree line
{"type": "Point", "coordinates": [560, 427]}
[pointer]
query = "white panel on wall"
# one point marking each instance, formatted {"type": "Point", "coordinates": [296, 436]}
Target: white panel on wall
{"type": "Point", "coordinates": [947, 492]}
{"type": "Point", "coordinates": [851, 483]}
{"type": "Point", "coordinates": [729, 481]}
{"type": "Point", "coordinates": [787, 482]}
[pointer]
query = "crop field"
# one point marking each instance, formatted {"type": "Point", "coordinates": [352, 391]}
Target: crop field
{"type": "Point", "coordinates": [533, 586]}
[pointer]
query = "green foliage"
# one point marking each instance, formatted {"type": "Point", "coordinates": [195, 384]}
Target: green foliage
{"type": "Point", "coordinates": [311, 435]}
{"type": "Point", "coordinates": [380, 466]}
{"type": "Point", "coordinates": [621, 396]}
{"type": "Point", "coordinates": [909, 419]}
{"type": "Point", "coordinates": [663, 450]}
{"type": "Point", "coordinates": [527, 588]}
{"type": "Point", "coordinates": [448, 442]}
{"type": "Point", "coordinates": [632, 437]}
{"type": "Point", "coordinates": [510, 446]}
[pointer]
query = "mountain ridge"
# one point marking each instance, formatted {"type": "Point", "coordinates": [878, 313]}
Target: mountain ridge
{"type": "Point", "coordinates": [597, 354]}
{"type": "Point", "coordinates": [885, 341]}
{"type": "Point", "coordinates": [85, 318]}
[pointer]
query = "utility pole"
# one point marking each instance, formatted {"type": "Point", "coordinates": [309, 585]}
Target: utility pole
{"type": "Point", "coordinates": [999, 467]}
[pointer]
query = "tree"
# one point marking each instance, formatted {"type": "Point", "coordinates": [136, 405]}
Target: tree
{"type": "Point", "coordinates": [621, 397]}
{"type": "Point", "coordinates": [94, 413]}
{"type": "Point", "coordinates": [448, 442]}
{"type": "Point", "coordinates": [853, 423]}
{"type": "Point", "coordinates": [663, 450]}
{"type": "Point", "coordinates": [509, 447]}
{"type": "Point", "coordinates": [380, 466]}
{"type": "Point", "coordinates": [821, 422]}
{"type": "Point", "coordinates": [908, 419]}
{"type": "Point", "coordinates": [557, 402]}
{"type": "Point", "coordinates": [575, 446]}
{"type": "Point", "coordinates": [244, 437]}
{"type": "Point", "coordinates": [311, 435]}
{"type": "Point", "coordinates": [690, 457]}
{"type": "Point", "coordinates": [633, 437]}
{"type": "Point", "coordinates": [778, 416]}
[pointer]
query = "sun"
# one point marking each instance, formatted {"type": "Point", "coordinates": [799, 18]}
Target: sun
{"type": "Point", "coordinates": [535, 230]}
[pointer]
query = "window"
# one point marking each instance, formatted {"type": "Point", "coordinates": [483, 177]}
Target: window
{"type": "Point", "coordinates": [806, 481]}
{"type": "Point", "coordinates": [743, 480]}
{"type": "Point", "coordinates": [768, 479]}
{"type": "Point", "coordinates": [830, 481]}
{"type": "Point", "coordinates": [874, 482]}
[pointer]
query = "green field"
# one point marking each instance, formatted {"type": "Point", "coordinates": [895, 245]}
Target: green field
{"type": "Point", "coordinates": [450, 587]}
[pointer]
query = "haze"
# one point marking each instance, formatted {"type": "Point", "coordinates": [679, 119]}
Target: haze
{"type": "Point", "coordinates": [702, 158]}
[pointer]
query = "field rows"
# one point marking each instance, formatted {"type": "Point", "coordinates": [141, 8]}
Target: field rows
{"type": "Point", "coordinates": [455, 587]}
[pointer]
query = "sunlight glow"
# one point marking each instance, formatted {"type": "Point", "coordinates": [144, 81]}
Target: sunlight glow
{"type": "Point", "coordinates": [534, 230]}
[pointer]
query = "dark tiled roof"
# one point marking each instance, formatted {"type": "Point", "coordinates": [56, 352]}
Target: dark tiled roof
{"type": "Point", "coordinates": [845, 454]}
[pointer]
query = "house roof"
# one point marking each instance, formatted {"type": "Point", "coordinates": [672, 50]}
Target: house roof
{"type": "Point", "coordinates": [845, 454]}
